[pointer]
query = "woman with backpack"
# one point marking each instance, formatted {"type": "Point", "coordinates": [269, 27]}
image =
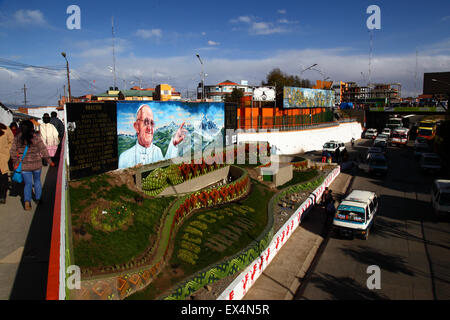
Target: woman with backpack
{"type": "Point", "coordinates": [28, 139]}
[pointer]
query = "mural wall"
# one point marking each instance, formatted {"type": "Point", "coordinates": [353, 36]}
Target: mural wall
{"type": "Point", "coordinates": [152, 131]}
{"type": "Point", "coordinates": [307, 98]}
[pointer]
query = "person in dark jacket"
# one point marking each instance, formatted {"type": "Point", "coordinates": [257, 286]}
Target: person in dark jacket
{"type": "Point", "coordinates": [59, 125]}
{"type": "Point", "coordinates": [32, 162]}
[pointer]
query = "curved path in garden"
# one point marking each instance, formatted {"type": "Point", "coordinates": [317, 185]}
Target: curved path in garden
{"type": "Point", "coordinates": [121, 285]}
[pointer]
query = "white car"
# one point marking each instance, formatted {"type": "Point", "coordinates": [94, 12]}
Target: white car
{"type": "Point", "coordinates": [440, 197]}
{"type": "Point", "coordinates": [382, 136]}
{"type": "Point", "coordinates": [332, 146]}
{"type": "Point", "coordinates": [355, 215]}
{"type": "Point", "coordinates": [371, 133]}
{"type": "Point", "coordinates": [386, 131]}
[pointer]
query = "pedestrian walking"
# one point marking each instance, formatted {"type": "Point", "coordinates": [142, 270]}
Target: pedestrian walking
{"type": "Point", "coordinates": [353, 141]}
{"type": "Point", "coordinates": [32, 162]}
{"type": "Point", "coordinates": [59, 125]}
{"type": "Point", "coordinates": [331, 210]}
{"type": "Point", "coordinates": [14, 128]}
{"type": "Point", "coordinates": [6, 141]}
{"type": "Point", "coordinates": [49, 135]}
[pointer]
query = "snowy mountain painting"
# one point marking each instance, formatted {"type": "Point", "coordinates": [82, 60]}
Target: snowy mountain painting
{"type": "Point", "coordinates": [203, 124]}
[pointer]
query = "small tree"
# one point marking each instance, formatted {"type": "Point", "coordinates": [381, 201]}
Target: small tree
{"type": "Point", "coordinates": [280, 80]}
{"type": "Point", "coordinates": [235, 96]}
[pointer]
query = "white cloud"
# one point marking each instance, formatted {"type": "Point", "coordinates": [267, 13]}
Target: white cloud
{"type": "Point", "coordinates": [245, 19]}
{"type": "Point", "coordinates": [149, 33]}
{"type": "Point", "coordinates": [282, 11]}
{"type": "Point", "coordinates": [340, 64]}
{"type": "Point", "coordinates": [29, 17]}
{"type": "Point", "coordinates": [213, 43]}
{"type": "Point", "coordinates": [265, 28]}
{"type": "Point", "coordinates": [256, 27]}
{"type": "Point", "coordinates": [23, 18]}
{"type": "Point", "coordinates": [445, 18]}
{"type": "Point", "coordinates": [286, 21]}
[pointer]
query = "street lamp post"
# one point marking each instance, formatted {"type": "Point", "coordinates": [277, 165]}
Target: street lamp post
{"type": "Point", "coordinates": [310, 67]}
{"type": "Point", "coordinates": [203, 77]}
{"type": "Point", "coordinates": [68, 75]}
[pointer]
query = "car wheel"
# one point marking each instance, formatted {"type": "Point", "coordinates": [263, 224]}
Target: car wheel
{"type": "Point", "coordinates": [366, 236]}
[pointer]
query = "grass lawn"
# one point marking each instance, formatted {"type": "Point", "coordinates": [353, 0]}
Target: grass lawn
{"type": "Point", "coordinates": [299, 177]}
{"type": "Point", "coordinates": [103, 248]}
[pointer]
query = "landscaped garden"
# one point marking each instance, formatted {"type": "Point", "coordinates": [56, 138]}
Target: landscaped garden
{"type": "Point", "coordinates": [174, 243]}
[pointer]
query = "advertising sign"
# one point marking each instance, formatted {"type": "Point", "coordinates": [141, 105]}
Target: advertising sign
{"type": "Point", "coordinates": [307, 98]}
{"type": "Point", "coordinates": [264, 94]}
{"type": "Point", "coordinates": [153, 131]}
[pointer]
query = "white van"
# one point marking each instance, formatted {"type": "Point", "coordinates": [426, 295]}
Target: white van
{"type": "Point", "coordinates": [355, 215]}
{"type": "Point", "coordinates": [440, 197]}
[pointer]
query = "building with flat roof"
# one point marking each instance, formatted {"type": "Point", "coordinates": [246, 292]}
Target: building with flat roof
{"type": "Point", "coordinates": [218, 92]}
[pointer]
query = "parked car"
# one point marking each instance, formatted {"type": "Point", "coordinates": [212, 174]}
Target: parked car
{"type": "Point", "coordinates": [440, 197]}
{"type": "Point", "coordinates": [332, 146]}
{"type": "Point", "coordinates": [430, 162]}
{"type": "Point", "coordinates": [375, 150]}
{"type": "Point", "coordinates": [371, 133]}
{"type": "Point", "coordinates": [355, 215]}
{"type": "Point", "coordinates": [421, 148]}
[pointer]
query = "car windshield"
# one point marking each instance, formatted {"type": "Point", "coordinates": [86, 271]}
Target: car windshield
{"type": "Point", "coordinates": [425, 132]}
{"type": "Point", "coordinates": [329, 145]}
{"type": "Point", "coordinates": [379, 144]}
{"type": "Point", "coordinates": [351, 214]}
{"type": "Point", "coordinates": [427, 124]}
{"type": "Point", "coordinates": [444, 199]}
{"type": "Point", "coordinates": [382, 136]}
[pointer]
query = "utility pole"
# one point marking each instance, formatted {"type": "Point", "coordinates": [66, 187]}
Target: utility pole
{"type": "Point", "coordinates": [68, 74]}
{"type": "Point", "coordinates": [370, 61]}
{"type": "Point", "coordinates": [24, 94]}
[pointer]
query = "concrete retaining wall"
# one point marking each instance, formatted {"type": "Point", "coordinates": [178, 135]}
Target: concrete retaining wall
{"type": "Point", "coordinates": [197, 183]}
{"type": "Point", "coordinates": [243, 282]}
{"type": "Point", "coordinates": [294, 142]}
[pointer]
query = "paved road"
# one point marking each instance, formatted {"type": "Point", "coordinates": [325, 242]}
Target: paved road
{"type": "Point", "coordinates": [410, 248]}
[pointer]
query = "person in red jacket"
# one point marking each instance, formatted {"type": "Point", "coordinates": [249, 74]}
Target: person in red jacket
{"type": "Point", "coordinates": [32, 162]}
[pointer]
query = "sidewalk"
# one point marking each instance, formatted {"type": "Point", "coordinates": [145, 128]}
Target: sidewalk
{"type": "Point", "coordinates": [25, 243]}
{"type": "Point", "coordinates": [284, 275]}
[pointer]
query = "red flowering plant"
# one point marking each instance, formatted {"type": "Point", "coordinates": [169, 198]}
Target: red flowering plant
{"type": "Point", "coordinates": [214, 195]}
{"type": "Point", "coordinates": [224, 193]}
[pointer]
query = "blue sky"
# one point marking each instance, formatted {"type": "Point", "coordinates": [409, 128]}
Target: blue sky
{"type": "Point", "coordinates": [156, 42]}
